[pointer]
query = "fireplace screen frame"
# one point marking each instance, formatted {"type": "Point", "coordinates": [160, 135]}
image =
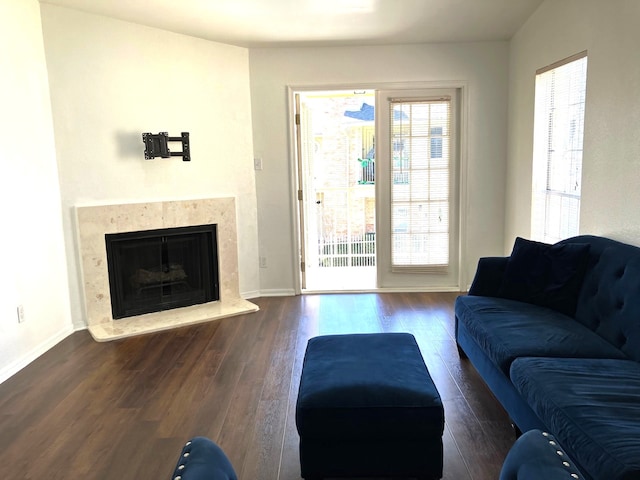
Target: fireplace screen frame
{"type": "Point", "coordinates": [208, 269]}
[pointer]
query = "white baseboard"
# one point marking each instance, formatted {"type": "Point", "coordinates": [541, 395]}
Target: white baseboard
{"type": "Point", "coordinates": [291, 292]}
{"type": "Point", "coordinates": [388, 290]}
{"type": "Point", "coordinates": [251, 294]}
{"type": "Point", "coordinates": [278, 293]}
{"type": "Point", "coordinates": [18, 364]}
{"type": "Point", "coordinates": [79, 326]}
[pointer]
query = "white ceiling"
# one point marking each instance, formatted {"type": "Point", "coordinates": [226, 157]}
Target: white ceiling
{"type": "Point", "coordinates": [264, 23]}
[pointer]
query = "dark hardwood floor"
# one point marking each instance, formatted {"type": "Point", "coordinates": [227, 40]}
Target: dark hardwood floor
{"type": "Point", "coordinates": [122, 410]}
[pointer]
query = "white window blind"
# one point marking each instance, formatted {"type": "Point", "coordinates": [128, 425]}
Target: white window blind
{"type": "Point", "coordinates": [420, 184]}
{"type": "Point", "coordinates": [557, 151]}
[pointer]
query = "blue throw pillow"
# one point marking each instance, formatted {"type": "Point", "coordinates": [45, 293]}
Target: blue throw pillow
{"type": "Point", "coordinates": [546, 275]}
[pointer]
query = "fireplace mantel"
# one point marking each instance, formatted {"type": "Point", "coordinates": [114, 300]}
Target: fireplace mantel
{"type": "Point", "coordinates": [95, 221]}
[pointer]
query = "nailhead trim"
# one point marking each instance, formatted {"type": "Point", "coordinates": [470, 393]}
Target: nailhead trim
{"type": "Point", "coordinates": [561, 454]}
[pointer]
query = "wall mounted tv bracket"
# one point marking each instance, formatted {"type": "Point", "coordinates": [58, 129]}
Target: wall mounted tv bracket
{"type": "Point", "coordinates": [157, 146]}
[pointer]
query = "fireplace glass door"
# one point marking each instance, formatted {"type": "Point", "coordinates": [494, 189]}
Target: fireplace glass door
{"type": "Point", "coordinates": [157, 270]}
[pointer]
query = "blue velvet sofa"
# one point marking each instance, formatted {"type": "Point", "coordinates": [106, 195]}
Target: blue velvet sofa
{"type": "Point", "coordinates": [554, 330]}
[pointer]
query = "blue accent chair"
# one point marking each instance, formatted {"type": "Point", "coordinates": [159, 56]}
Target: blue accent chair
{"type": "Point", "coordinates": [536, 455]}
{"type": "Point", "coordinates": [202, 459]}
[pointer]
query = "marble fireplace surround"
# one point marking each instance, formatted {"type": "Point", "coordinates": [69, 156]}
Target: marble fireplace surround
{"type": "Point", "coordinates": [93, 222]}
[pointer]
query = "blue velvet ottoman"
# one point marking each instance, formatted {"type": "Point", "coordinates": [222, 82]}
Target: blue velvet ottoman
{"type": "Point", "coordinates": [367, 407]}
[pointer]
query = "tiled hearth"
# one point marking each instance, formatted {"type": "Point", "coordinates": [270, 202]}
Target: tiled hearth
{"type": "Point", "coordinates": [95, 221]}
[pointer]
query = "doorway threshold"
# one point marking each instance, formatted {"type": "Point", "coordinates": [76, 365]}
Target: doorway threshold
{"type": "Point", "coordinates": [342, 279]}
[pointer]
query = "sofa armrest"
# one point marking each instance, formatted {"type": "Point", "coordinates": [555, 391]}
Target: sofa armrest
{"type": "Point", "coordinates": [488, 276]}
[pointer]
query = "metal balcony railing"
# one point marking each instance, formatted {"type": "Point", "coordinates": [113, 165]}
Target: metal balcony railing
{"type": "Point", "coordinates": [347, 251]}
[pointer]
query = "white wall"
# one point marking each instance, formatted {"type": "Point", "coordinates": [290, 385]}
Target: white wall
{"type": "Point", "coordinates": [33, 271]}
{"type": "Point", "coordinates": [482, 66]}
{"type": "Point", "coordinates": [110, 81]}
{"type": "Point", "coordinates": [611, 158]}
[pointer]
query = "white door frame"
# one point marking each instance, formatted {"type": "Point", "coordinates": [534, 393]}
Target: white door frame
{"type": "Point", "coordinates": [463, 88]}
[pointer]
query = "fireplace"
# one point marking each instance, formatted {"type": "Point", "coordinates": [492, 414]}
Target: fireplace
{"type": "Point", "coordinates": [161, 269]}
{"type": "Point", "coordinates": [95, 222]}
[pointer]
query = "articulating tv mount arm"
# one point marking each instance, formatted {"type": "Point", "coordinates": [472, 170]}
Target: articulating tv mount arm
{"type": "Point", "coordinates": [156, 146]}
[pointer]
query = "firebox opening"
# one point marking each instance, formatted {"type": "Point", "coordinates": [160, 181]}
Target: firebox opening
{"type": "Point", "coordinates": [155, 270]}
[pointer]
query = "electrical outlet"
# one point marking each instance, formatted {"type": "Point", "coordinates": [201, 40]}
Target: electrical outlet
{"type": "Point", "coordinates": [257, 163]}
{"type": "Point", "coordinates": [20, 310]}
{"type": "Point", "coordinates": [263, 262]}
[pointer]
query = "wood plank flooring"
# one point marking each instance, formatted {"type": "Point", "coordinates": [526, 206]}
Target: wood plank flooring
{"type": "Point", "coordinates": [122, 410]}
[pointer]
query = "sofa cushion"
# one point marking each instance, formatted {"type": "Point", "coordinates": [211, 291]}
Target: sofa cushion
{"type": "Point", "coordinates": [507, 329]}
{"type": "Point", "coordinates": [488, 278]}
{"type": "Point", "coordinates": [546, 275]}
{"type": "Point", "coordinates": [609, 300]}
{"type": "Point", "coordinates": [592, 406]}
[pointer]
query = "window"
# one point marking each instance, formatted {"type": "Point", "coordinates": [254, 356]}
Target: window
{"type": "Point", "coordinates": [557, 148]}
{"type": "Point", "coordinates": [420, 143]}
